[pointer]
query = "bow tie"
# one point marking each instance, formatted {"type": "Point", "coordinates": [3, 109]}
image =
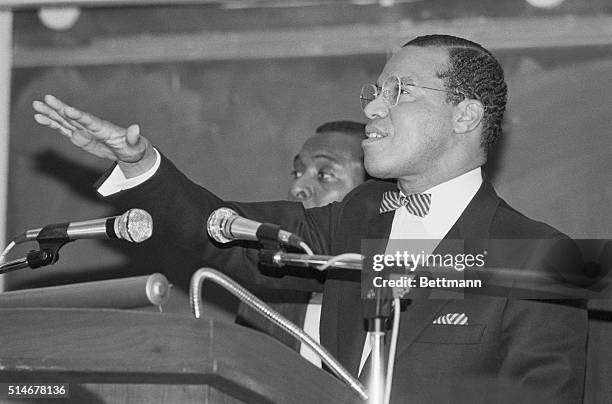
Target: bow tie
{"type": "Point", "coordinates": [416, 204]}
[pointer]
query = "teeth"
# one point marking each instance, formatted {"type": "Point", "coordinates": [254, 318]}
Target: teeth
{"type": "Point", "coordinates": [373, 135]}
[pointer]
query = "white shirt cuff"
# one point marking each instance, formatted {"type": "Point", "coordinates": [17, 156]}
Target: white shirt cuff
{"type": "Point", "coordinates": [117, 182]}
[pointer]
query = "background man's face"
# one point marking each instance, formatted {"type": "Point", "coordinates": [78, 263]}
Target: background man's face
{"type": "Point", "coordinates": [328, 166]}
{"type": "Point", "coordinates": [416, 134]}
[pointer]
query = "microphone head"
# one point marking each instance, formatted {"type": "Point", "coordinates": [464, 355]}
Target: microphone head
{"type": "Point", "coordinates": [215, 225]}
{"type": "Point", "coordinates": [135, 225]}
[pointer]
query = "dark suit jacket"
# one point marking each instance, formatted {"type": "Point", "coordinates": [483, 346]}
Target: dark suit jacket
{"type": "Point", "coordinates": [511, 350]}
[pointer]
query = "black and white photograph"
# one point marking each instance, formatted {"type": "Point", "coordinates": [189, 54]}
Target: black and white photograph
{"type": "Point", "coordinates": [305, 201]}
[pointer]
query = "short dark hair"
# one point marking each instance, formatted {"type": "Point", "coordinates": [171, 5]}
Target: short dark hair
{"type": "Point", "coordinates": [473, 73]}
{"type": "Point", "coordinates": [348, 127]}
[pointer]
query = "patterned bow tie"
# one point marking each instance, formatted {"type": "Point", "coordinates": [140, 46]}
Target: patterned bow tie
{"type": "Point", "coordinates": [416, 204]}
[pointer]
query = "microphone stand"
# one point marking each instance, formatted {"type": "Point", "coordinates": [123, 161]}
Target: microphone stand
{"type": "Point", "coordinates": [34, 259]}
{"type": "Point", "coordinates": [50, 239]}
{"type": "Point", "coordinates": [376, 312]}
{"type": "Point", "coordinates": [377, 308]}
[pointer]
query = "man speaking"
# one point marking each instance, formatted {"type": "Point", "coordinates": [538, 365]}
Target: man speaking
{"type": "Point", "coordinates": [433, 114]}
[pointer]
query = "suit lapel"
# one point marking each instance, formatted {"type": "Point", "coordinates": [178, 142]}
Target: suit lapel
{"type": "Point", "coordinates": [474, 222]}
{"type": "Point", "coordinates": [422, 309]}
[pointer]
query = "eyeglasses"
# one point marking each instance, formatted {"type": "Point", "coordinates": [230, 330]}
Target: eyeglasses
{"type": "Point", "coordinates": [391, 91]}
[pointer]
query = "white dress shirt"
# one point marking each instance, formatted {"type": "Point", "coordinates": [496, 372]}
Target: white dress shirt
{"type": "Point", "coordinates": [312, 321]}
{"type": "Point", "coordinates": [116, 181]}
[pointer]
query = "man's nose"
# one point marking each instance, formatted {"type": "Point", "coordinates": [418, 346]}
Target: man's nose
{"type": "Point", "coordinates": [377, 108]}
{"type": "Point", "coordinates": [300, 190]}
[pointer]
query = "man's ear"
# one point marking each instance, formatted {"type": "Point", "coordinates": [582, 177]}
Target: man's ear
{"type": "Point", "coordinates": [468, 115]}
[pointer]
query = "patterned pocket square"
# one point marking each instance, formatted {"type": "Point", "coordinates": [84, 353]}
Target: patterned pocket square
{"type": "Point", "coordinates": [452, 319]}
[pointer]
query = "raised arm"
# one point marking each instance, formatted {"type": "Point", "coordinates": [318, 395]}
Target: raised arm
{"type": "Point", "coordinates": [178, 206]}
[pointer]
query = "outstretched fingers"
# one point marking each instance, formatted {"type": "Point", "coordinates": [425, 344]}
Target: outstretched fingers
{"type": "Point", "coordinates": [50, 115]}
{"type": "Point", "coordinates": [90, 133]}
{"type": "Point", "coordinates": [79, 119]}
{"type": "Point", "coordinates": [46, 121]}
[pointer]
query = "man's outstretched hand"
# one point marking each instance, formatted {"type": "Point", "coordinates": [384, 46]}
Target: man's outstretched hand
{"type": "Point", "coordinates": [134, 153]}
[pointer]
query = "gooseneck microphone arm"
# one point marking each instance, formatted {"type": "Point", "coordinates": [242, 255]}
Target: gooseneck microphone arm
{"type": "Point", "coordinates": [245, 296]}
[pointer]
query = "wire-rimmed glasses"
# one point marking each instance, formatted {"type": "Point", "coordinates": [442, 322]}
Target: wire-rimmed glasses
{"type": "Point", "coordinates": [391, 91]}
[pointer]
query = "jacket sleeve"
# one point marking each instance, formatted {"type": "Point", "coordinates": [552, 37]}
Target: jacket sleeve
{"type": "Point", "coordinates": [180, 208]}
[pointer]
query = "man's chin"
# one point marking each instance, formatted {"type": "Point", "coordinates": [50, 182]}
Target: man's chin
{"type": "Point", "coordinates": [379, 171]}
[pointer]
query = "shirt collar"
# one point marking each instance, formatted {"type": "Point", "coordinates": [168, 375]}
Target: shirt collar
{"type": "Point", "coordinates": [459, 190]}
{"type": "Point", "coordinates": [449, 199]}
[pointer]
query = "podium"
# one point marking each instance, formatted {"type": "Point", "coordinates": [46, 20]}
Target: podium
{"type": "Point", "coordinates": [118, 356]}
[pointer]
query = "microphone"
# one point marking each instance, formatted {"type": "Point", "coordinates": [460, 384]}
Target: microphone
{"type": "Point", "coordinates": [135, 225]}
{"type": "Point", "coordinates": [225, 225]}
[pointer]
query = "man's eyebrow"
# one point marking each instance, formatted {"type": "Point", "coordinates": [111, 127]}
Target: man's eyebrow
{"type": "Point", "coordinates": [404, 79]}
{"type": "Point", "coordinates": [324, 155]}
{"type": "Point", "coordinates": [407, 79]}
